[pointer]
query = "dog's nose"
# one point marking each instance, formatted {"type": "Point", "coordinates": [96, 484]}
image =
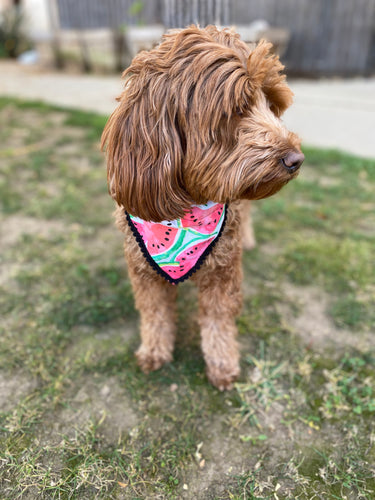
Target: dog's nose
{"type": "Point", "coordinates": [292, 161]}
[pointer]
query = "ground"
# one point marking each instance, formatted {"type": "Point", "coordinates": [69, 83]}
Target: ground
{"type": "Point", "coordinates": [77, 417]}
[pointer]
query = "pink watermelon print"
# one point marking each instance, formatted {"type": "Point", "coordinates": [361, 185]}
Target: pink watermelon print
{"type": "Point", "coordinates": [173, 271]}
{"type": "Point", "coordinates": [157, 237]}
{"type": "Point", "coordinates": [176, 249]}
{"type": "Point", "coordinates": [203, 220]}
{"type": "Point", "coordinates": [187, 259]}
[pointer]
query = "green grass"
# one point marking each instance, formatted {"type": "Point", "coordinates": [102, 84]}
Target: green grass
{"type": "Point", "coordinates": [78, 419]}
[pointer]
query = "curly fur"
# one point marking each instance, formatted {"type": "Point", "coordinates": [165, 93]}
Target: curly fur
{"type": "Point", "coordinates": [198, 120]}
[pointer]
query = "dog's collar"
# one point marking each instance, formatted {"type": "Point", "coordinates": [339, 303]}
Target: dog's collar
{"type": "Point", "coordinates": [176, 249]}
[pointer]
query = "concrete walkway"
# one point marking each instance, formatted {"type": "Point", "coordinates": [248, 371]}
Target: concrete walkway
{"type": "Point", "coordinates": [336, 114]}
{"type": "Point", "coordinates": [327, 113]}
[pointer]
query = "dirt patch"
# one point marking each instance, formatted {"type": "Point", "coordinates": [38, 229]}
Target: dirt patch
{"type": "Point", "coordinates": [216, 457]}
{"type": "Point", "coordinates": [101, 239]}
{"type": "Point", "coordinates": [26, 138]}
{"type": "Point", "coordinates": [310, 175]}
{"type": "Point", "coordinates": [98, 401]}
{"type": "Point", "coordinates": [312, 323]}
{"type": "Point", "coordinates": [226, 454]}
{"type": "Point", "coordinates": [7, 274]}
{"type": "Point", "coordinates": [14, 388]}
{"type": "Point", "coordinates": [15, 226]}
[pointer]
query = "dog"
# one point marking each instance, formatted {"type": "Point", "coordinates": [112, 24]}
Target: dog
{"type": "Point", "coordinates": [197, 131]}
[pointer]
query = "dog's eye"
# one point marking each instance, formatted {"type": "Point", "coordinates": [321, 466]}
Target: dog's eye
{"type": "Point", "coordinates": [239, 112]}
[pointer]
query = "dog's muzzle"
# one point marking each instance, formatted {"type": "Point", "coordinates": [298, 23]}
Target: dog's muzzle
{"type": "Point", "coordinates": [293, 161]}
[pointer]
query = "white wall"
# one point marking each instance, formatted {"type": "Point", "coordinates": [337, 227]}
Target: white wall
{"type": "Point", "coordinates": [37, 19]}
{"type": "Point", "coordinates": [37, 23]}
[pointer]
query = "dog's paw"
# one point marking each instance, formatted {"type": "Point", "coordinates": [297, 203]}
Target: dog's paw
{"type": "Point", "coordinates": [223, 377]}
{"type": "Point", "coordinates": [150, 361]}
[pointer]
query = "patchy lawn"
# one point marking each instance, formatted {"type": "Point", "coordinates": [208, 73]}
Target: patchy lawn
{"type": "Point", "coordinates": [77, 417]}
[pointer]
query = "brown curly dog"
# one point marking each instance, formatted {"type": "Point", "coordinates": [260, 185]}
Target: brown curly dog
{"type": "Point", "coordinates": [196, 131]}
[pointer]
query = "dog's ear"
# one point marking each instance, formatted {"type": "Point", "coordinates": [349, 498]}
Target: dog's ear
{"type": "Point", "coordinates": [265, 71]}
{"type": "Point", "coordinates": [144, 148]}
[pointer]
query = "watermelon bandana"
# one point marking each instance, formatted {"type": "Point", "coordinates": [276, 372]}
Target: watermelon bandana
{"type": "Point", "coordinates": [177, 248]}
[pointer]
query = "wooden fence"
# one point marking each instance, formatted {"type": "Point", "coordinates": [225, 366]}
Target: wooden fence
{"type": "Point", "coordinates": [179, 13]}
{"type": "Point", "coordinates": [328, 37]}
{"type": "Point", "coordinates": [93, 14]}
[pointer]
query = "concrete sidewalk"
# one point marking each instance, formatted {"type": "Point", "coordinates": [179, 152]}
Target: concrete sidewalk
{"type": "Point", "coordinates": [336, 114]}
{"type": "Point", "coordinates": [327, 113]}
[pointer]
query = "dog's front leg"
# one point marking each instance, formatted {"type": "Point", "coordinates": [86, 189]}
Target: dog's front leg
{"type": "Point", "coordinates": [155, 300]}
{"type": "Point", "coordinates": [220, 300]}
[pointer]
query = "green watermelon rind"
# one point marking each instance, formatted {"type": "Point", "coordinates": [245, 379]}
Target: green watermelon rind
{"type": "Point", "coordinates": [176, 249]}
{"type": "Point", "coordinates": [172, 264]}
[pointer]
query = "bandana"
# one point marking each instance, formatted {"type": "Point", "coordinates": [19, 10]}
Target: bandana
{"type": "Point", "coordinates": [177, 248]}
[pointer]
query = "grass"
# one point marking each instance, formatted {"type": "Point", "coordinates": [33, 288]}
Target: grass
{"type": "Point", "coordinates": [77, 417]}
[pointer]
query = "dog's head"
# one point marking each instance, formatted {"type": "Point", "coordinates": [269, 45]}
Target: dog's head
{"type": "Point", "coordinates": [199, 120]}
